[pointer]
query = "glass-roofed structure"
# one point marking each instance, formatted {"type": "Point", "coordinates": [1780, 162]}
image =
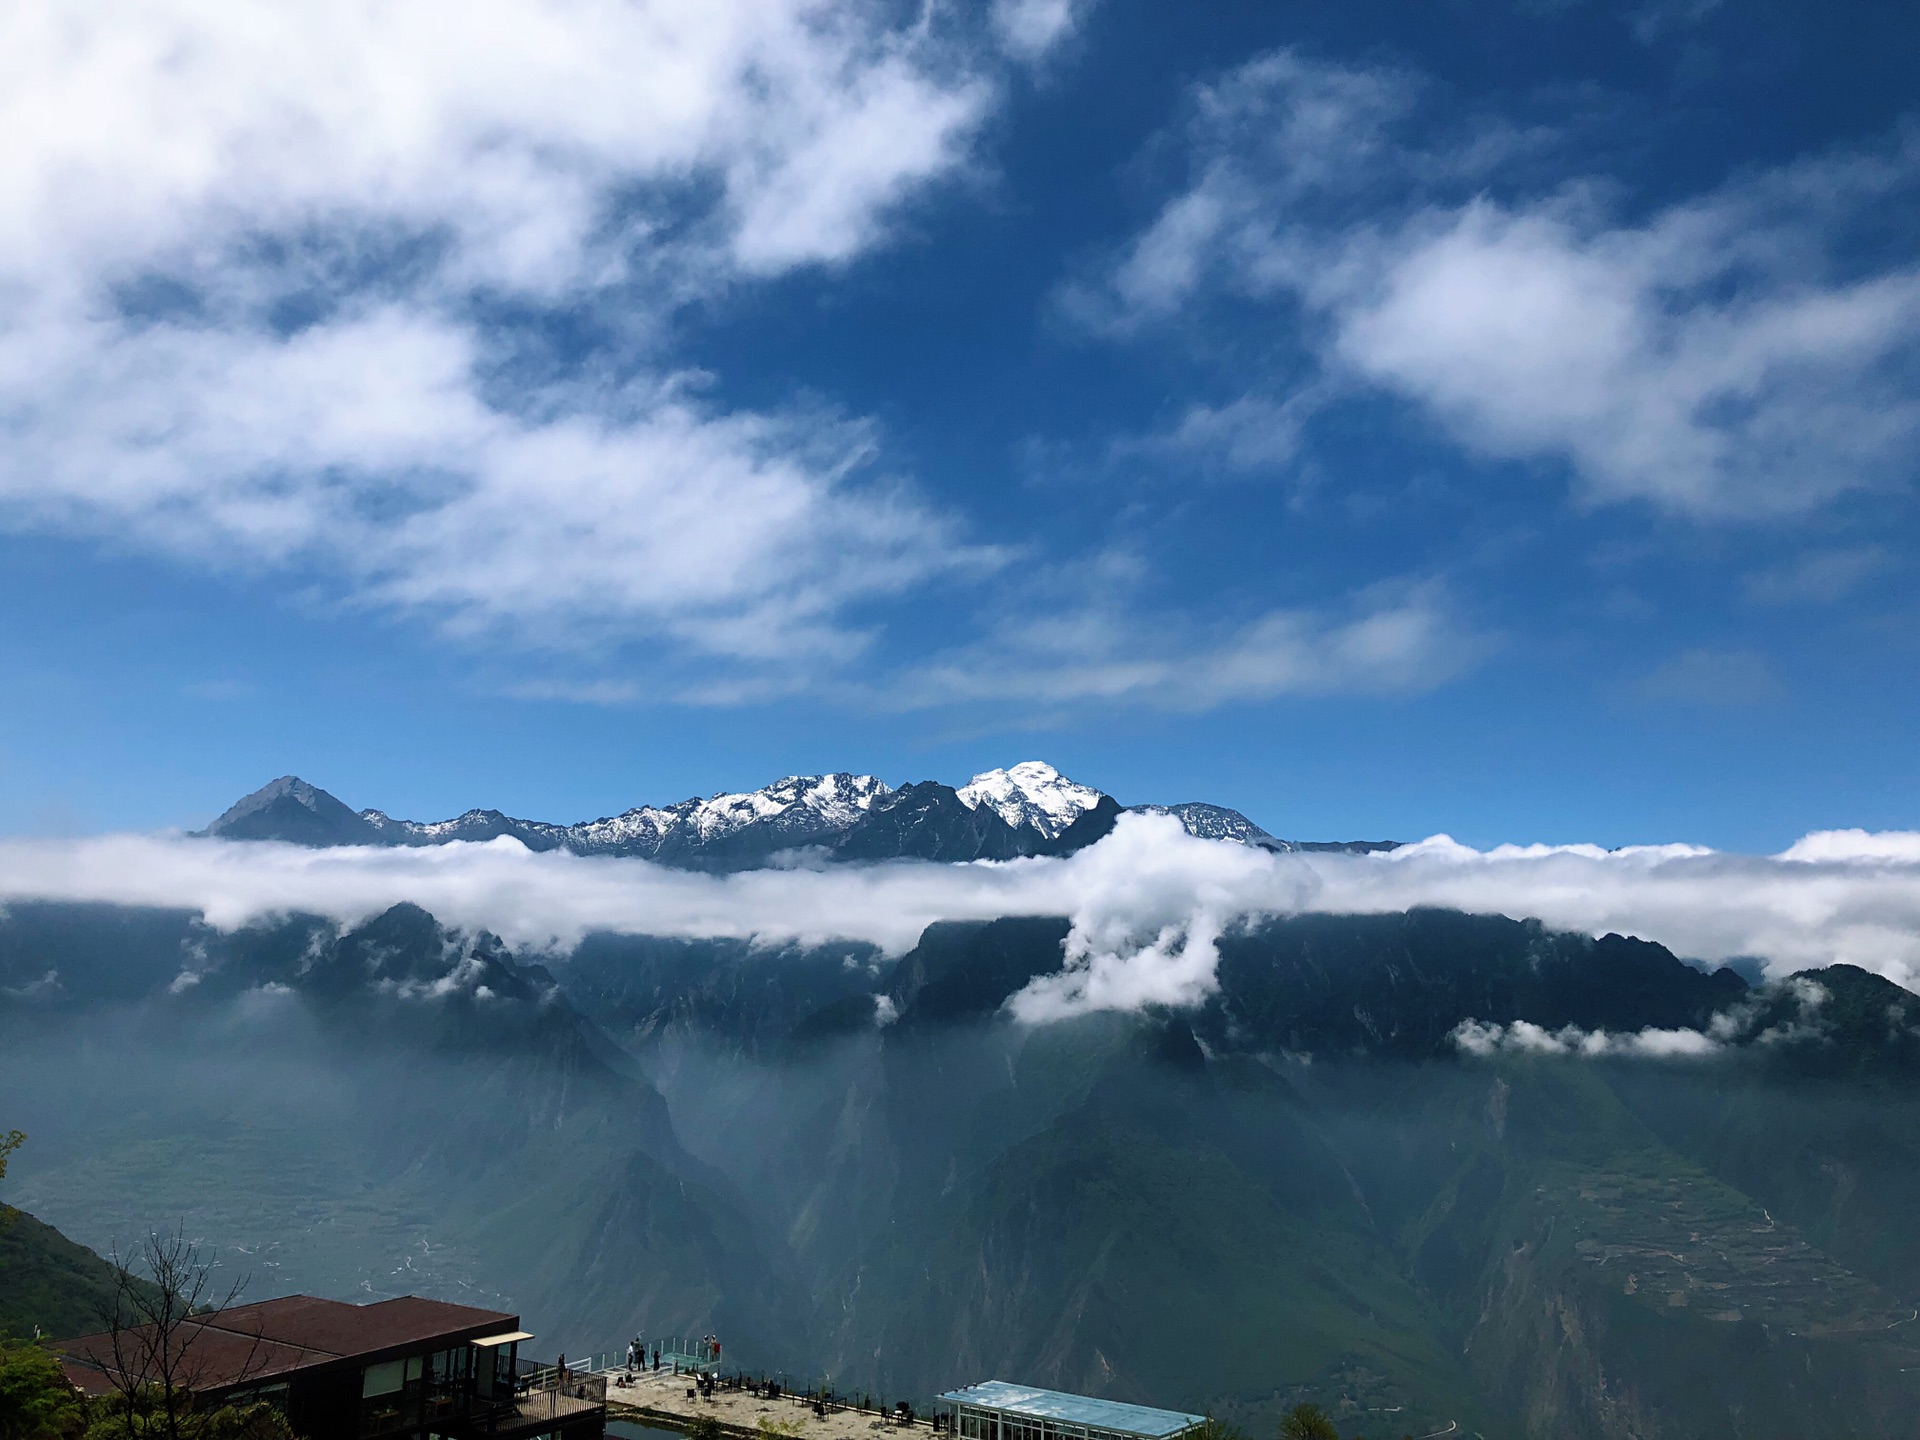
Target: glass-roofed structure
{"type": "Point", "coordinates": [996, 1410]}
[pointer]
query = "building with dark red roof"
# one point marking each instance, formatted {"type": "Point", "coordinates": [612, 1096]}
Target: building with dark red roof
{"type": "Point", "coordinates": [405, 1369]}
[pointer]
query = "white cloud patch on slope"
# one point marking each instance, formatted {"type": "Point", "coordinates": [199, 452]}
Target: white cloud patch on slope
{"type": "Point", "coordinates": [253, 259]}
{"type": "Point", "coordinates": [1717, 357]}
{"type": "Point", "coordinates": [1523, 1037]}
{"type": "Point", "coordinates": [1147, 903]}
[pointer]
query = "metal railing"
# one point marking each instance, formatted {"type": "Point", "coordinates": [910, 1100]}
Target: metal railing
{"type": "Point", "coordinates": [564, 1399]}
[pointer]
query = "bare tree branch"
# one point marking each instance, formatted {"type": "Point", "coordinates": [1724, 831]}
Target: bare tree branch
{"type": "Point", "coordinates": [155, 1335]}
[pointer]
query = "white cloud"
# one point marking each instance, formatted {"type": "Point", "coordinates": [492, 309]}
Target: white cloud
{"type": "Point", "coordinates": [244, 249]}
{"type": "Point", "coordinates": [143, 131]}
{"type": "Point", "coordinates": [1864, 846]}
{"type": "Point", "coordinates": [46, 987]}
{"type": "Point", "coordinates": [1529, 334]}
{"type": "Point", "coordinates": [1715, 358]}
{"type": "Point", "coordinates": [1116, 972]}
{"type": "Point", "coordinates": [362, 448]}
{"type": "Point", "coordinates": [1251, 433]}
{"type": "Point", "coordinates": [1030, 28]}
{"type": "Point", "coordinates": [1710, 677]}
{"type": "Point", "coordinates": [1818, 577]}
{"type": "Point", "coordinates": [1523, 1037]}
{"type": "Point", "coordinates": [1658, 19]}
{"type": "Point", "coordinates": [1392, 639]}
{"type": "Point", "coordinates": [1146, 904]}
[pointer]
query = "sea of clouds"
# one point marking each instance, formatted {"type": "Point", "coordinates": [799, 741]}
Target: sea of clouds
{"type": "Point", "coordinates": [1147, 903]}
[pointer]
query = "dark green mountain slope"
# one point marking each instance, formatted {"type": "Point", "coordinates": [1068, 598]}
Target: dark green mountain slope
{"type": "Point", "coordinates": [48, 1284]}
{"type": "Point", "coordinates": [1819, 1120]}
{"type": "Point", "coordinates": [1598, 1282]}
{"type": "Point", "coordinates": [645, 987]}
{"type": "Point", "coordinates": [1186, 1233]}
{"type": "Point", "coordinates": [1398, 985]}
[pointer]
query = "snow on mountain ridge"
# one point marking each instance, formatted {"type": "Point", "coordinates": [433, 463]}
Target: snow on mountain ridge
{"type": "Point", "coordinates": [814, 803]}
{"type": "Point", "coordinates": [801, 805]}
{"type": "Point", "coordinates": [1214, 822]}
{"type": "Point", "coordinates": [804, 805]}
{"type": "Point", "coordinates": [644, 823]}
{"type": "Point", "coordinates": [1030, 793]}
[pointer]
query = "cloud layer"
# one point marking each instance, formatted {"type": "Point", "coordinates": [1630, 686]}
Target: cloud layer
{"type": "Point", "coordinates": [1147, 903]}
{"type": "Point", "coordinates": [1729, 355]}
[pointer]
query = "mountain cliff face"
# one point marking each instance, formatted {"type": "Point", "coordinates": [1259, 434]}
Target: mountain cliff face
{"type": "Point", "coordinates": [1314, 1190]}
{"type": "Point", "coordinates": [1028, 809]}
{"type": "Point", "coordinates": [858, 1166]}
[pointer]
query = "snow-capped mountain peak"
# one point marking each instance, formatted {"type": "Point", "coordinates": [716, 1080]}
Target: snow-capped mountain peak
{"type": "Point", "coordinates": [810, 802]}
{"type": "Point", "coordinates": [1030, 793]}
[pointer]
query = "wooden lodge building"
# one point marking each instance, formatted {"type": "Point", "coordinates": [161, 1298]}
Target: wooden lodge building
{"type": "Point", "coordinates": [405, 1369]}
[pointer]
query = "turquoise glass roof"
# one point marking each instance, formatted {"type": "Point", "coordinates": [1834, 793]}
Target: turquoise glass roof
{"type": "Point", "coordinates": [1029, 1400]}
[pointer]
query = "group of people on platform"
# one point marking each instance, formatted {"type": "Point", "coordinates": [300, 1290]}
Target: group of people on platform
{"type": "Point", "coordinates": [637, 1359]}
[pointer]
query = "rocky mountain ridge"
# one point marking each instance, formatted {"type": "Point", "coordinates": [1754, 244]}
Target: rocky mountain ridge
{"type": "Point", "coordinates": [1027, 809]}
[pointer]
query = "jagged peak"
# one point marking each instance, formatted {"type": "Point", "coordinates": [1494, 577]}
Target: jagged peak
{"type": "Point", "coordinates": [289, 808]}
{"type": "Point", "coordinates": [288, 787]}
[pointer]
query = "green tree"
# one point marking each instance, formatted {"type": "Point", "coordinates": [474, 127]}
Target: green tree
{"type": "Point", "coordinates": [705, 1427]}
{"type": "Point", "coordinates": [147, 1416]}
{"type": "Point", "coordinates": [9, 1142]}
{"type": "Point", "coordinates": [1308, 1422]}
{"type": "Point", "coordinates": [258, 1421]}
{"type": "Point", "coordinates": [36, 1402]}
{"type": "Point", "coordinates": [1212, 1429]}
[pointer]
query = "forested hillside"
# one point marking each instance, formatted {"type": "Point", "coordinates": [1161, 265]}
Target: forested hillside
{"type": "Point", "coordinates": [48, 1284]}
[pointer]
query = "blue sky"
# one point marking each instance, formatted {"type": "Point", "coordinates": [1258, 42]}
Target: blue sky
{"type": "Point", "coordinates": [1382, 418]}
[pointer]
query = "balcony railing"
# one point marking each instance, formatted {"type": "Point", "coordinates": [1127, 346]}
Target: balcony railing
{"type": "Point", "coordinates": [545, 1396]}
{"type": "Point", "coordinates": [580, 1396]}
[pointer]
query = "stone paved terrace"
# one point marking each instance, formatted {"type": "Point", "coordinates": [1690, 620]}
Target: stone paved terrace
{"type": "Point", "coordinates": [662, 1400]}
